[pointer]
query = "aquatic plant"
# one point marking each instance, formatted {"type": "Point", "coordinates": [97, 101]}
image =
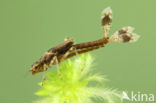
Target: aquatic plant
{"type": "Point", "coordinates": [79, 84]}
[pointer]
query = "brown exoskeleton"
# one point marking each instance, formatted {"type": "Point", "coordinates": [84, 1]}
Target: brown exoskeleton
{"type": "Point", "coordinates": [68, 49]}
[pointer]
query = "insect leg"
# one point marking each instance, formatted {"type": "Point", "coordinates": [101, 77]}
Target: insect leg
{"type": "Point", "coordinates": [75, 50]}
{"type": "Point", "coordinates": [72, 49]}
{"type": "Point", "coordinates": [43, 79]}
{"type": "Point", "coordinates": [52, 61]}
{"type": "Point", "coordinates": [58, 70]}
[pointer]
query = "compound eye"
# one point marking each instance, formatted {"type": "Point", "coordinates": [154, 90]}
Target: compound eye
{"type": "Point", "coordinates": [33, 72]}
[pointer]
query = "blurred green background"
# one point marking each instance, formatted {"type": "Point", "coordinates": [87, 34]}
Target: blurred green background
{"type": "Point", "coordinates": [30, 27]}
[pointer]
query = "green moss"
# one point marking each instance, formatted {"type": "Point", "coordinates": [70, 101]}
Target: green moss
{"type": "Point", "coordinates": [76, 85]}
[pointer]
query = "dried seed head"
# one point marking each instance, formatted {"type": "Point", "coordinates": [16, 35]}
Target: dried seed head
{"type": "Point", "coordinates": [124, 35]}
{"type": "Point", "coordinates": [106, 18]}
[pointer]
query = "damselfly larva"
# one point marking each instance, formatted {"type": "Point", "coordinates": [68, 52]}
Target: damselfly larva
{"type": "Point", "coordinates": [67, 49]}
